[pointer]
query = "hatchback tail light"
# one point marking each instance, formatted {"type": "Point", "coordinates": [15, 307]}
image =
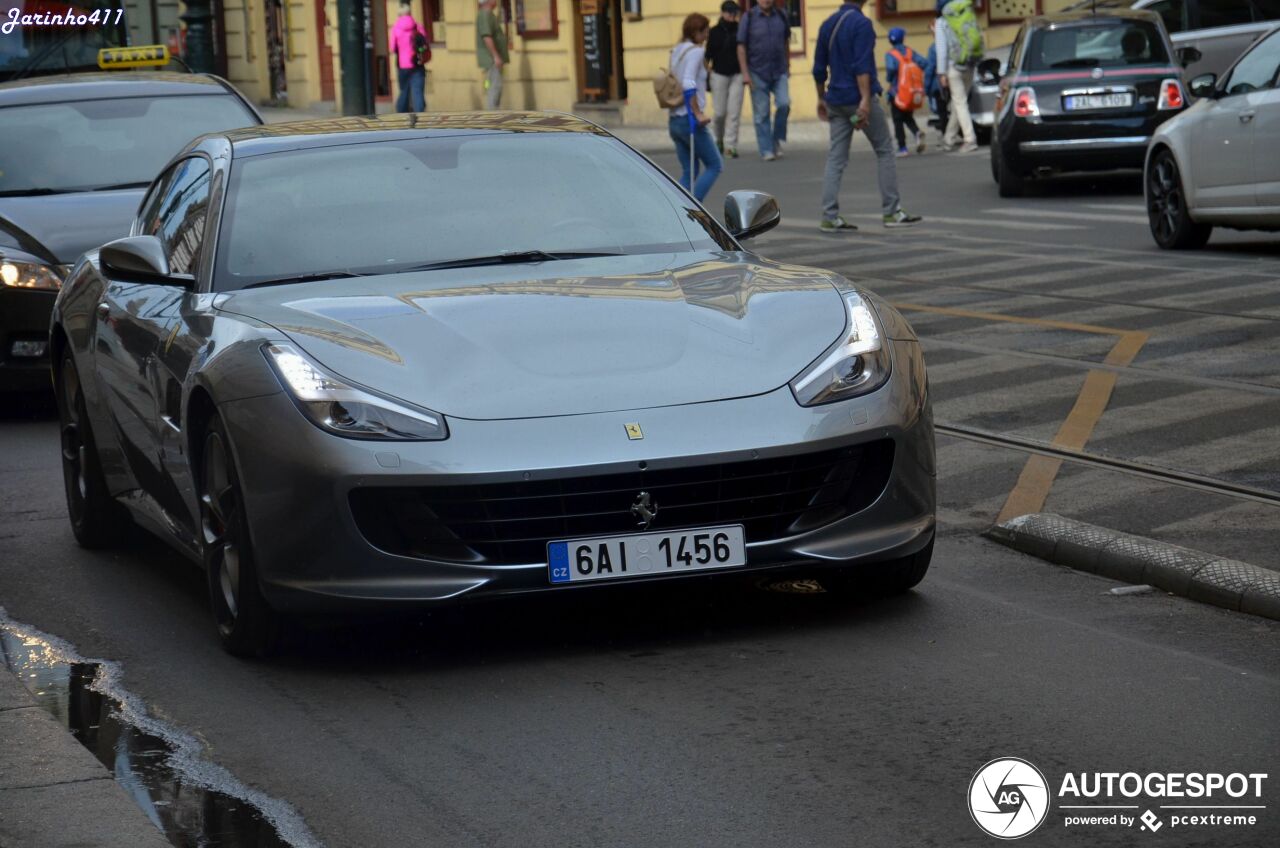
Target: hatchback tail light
{"type": "Point", "coordinates": [1024, 103]}
{"type": "Point", "coordinates": [1171, 96]}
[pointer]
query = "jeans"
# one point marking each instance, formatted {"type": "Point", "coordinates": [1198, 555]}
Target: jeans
{"type": "Point", "coordinates": [760, 91]}
{"type": "Point", "coordinates": [877, 130]}
{"type": "Point", "coordinates": [411, 82]}
{"type": "Point", "coordinates": [704, 151]}
{"type": "Point", "coordinates": [492, 87]}
{"type": "Point", "coordinates": [901, 119]}
{"type": "Point", "coordinates": [726, 94]}
{"type": "Point", "coordinates": [959, 80]}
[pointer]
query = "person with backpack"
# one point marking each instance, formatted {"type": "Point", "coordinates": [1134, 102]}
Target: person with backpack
{"type": "Point", "coordinates": [409, 41]}
{"type": "Point", "coordinates": [960, 47]}
{"type": "Point", "coordinates": [688, 120]}
{"type": "Point", "coordinates": [903, 67]}
{"type": "Point", "coordinates": [846, 54]}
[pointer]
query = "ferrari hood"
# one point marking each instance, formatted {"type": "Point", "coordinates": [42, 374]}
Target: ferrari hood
{"type": "Point", "coordinates": [562, 338]}
{"type": "Point", "coordinates": [67, 225]}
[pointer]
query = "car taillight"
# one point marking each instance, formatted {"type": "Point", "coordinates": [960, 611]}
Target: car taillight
{"type": "Point", "coordinates": [1024, 103]}
{"type": "Point", "coordinates": [1171, 95]}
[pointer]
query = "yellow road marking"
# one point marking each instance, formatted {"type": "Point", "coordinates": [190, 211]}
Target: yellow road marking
{"type": "Point", "coordinates": [1038, 475]}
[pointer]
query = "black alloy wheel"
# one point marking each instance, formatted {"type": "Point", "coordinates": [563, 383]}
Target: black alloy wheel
{"type": "Point", "coordinates": [1171, 224]}
{"type": "Point", "coordinates": [246, 624]}
{"type": "Point", "coordinates": [97, 519]}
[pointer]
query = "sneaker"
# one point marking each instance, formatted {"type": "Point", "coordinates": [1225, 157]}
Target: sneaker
{"type": "Point", "coordinates": [836, 225]}
{"type": "Point", "coordinates": [901, 218]}
{"type": "Point", "coordinates": [971, 147]}
{"type": "Point", "coordinates": [731, 152]}
{"type": "Point", "coordinates": [902, 151]}
{"type": "Point", "coordinates": [768, 157]}
{"type": "Point", "coordinates": [777, 149]}
{"type": "Point", "coordinates": [919, 142]}
{"type": "Point", "coordinates": [946, 147]}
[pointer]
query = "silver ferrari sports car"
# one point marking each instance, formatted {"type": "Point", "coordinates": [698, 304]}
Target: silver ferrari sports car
{"type": "Point", "coordinates": [419, 358]}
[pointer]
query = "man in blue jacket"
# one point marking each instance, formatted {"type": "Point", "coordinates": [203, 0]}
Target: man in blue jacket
{"type": "Point", "coordinates": [846, 53]}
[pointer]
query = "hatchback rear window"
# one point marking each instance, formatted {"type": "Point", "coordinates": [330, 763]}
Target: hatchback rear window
{"type": "Point", "coordinates": [1110, 44]}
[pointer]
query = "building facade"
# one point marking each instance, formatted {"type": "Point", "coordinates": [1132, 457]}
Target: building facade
{"type": "Point", "coordinates": [593, 57]}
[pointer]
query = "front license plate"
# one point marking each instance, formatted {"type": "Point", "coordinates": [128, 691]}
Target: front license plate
{"type": "Point", "coordinates": [640, 554]}
{"type": "Point", "coordinates": [1076, 102]}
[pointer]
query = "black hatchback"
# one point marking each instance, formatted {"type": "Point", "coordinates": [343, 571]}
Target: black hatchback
{"type": "Point", "coordinates": [1084, 91]}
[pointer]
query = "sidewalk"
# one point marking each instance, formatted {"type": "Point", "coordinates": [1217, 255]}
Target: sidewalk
{"type": "Point", "coordinates": [801, 134]}
{"type": "Point", "coordinates": [53, 792]}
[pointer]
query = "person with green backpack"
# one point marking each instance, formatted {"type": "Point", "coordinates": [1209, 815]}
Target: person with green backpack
{"type": "Point", "coordinates": [960, 47]}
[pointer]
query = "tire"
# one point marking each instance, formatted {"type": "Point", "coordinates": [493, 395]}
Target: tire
{"type": "Point", "coordinates": [97, 519]}
{"type": "Point", "coordinates": [983, 135]}
{"type": "Point", "coordinates": [1011, 184]}
{"type": "Point", "coordinates": [1167, 214]}
{"type": "Point", "coordinates": [892, 577]}
{"type": "Point", "coordinates": [247, 625]}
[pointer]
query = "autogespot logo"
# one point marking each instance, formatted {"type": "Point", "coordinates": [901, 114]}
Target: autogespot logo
{"type": "Point", "coordinates": [1008, 798]}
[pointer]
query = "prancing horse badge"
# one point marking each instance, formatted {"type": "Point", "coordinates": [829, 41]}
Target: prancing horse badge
{"type": "Point", "coordinates": [634, 432]}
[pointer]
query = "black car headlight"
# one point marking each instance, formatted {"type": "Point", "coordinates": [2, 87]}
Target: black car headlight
{"type": "Point", "coordinates": [855, 365]}
{"type": "Point", "coordinates": [344, 410]}
{"type": "Point", "coordinates": [18, 274]}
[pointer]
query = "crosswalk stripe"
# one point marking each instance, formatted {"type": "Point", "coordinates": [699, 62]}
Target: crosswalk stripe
{"type": "Point", "coordinates": [1022, 211]}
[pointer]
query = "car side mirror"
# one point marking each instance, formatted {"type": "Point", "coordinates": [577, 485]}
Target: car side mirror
{"type": "Point", "coordinates": [750, 213]}
{"type": "Point", "coordinates": [1188, 56]}
{"type": "Point", "coordinates": [141, 258]}
{"type": "Point", "coordinates": [989, 71]}
{"type": "Point", "coordinates": [1203, 85]}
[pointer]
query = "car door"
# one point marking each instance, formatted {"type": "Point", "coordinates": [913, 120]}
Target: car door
{"type": "Point", "coordinates": [134, 316]}
{"type": "Point", "coordinates": [1266, 125]}
{"type": "Point", "coordinates": [1223, 140]}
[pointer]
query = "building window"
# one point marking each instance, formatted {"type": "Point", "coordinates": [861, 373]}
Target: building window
{"type": "Point", "coordinates": [795, 19]}
{"type": "Point", "coordinates": [537, 19]}
{"type": "Point", "coordinates": [433, 20]}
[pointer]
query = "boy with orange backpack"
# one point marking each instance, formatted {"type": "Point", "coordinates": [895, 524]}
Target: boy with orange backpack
{"type": "Point", "coordinates": [904, 68]}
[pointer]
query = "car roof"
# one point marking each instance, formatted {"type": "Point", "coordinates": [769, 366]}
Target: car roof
{"type": "Point", "coordinates": [270, 138]}
{"type": "Point", "coordinates": [70, 88]}
{"type": "Point", "coordinates": [1102, 14]}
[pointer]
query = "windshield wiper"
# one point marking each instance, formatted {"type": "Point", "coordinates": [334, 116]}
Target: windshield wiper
{"type": "Point", "coordinates": [120, 186]}
{"type": "Point", "coordinates": [41, 191]}
{"type": "Point", "coordinates": [509, 258]}
{"type": "Point", "coordinates": [305, 278]}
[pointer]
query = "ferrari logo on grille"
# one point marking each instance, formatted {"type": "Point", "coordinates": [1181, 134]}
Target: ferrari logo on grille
{"type": "Point", "coordinates": [634, 432]}
{"type": "Point", "coordinates": [645, 510]}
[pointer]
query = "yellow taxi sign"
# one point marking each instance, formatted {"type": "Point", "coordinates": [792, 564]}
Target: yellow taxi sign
{"type": "Point", "coordinates": [143, 56]}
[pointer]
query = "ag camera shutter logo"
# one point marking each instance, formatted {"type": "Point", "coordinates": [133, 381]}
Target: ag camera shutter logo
{"type": "Point", "coordinates": [1008, 798]}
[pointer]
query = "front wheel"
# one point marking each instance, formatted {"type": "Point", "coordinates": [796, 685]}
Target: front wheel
{"type": "Point", "coordinates": [881, 578]}
{"type": "Point", "coordinates": [247, 625]}
{"type": "Point", "coordinates": [1171, 224]}
{"type": "Point", "coordinates": [97, 519]}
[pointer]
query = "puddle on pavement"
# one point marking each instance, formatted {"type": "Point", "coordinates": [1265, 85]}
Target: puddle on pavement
{"type": "Point", "coordinates": [195, 803]}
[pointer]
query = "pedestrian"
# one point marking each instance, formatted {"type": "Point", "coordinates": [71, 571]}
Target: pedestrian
{"type": "Point", "coordinates": [687, 124]}
{"type": "Point", "coordinates": [933, 90]}
{"type": "Point", "coordinates": [901, 77]}
{"type": "Point", "coordinates": [491, 51]}
{"type": "Point", "coordinates": [409, 41]}
{"type": "Point", "coordinates": [959, 41]}
{"type": "Point", "coordinates": [764, 56]}
{"type": "Point", "coordinates": [846, 53]}
{"type": "Point", "coordinates": [726, 78]}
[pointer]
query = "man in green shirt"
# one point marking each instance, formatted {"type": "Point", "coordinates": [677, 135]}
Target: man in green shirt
{"type": "Point", "coordinates": [491, 51]}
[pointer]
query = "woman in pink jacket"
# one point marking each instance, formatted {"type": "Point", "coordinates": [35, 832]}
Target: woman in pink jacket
{"type": "Point", "coordinates": [410, 65]}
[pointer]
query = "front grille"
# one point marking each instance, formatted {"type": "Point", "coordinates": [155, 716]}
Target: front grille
{"type": "Point", "coordinates": [511, 523]}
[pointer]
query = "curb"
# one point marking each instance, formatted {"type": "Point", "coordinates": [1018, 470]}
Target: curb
{"type": "Point", "coordinates": [1181, 571]}
{"type": "Point", "coordinates": [53, 792]}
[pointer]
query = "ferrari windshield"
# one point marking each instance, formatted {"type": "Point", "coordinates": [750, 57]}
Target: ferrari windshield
{"type": "Point", "coordinates": [390, 206]}
{"type": "Point", "coordinates": [1108, 43]}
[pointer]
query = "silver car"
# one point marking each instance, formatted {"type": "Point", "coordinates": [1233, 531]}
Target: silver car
{"type": "Point", "coordinates": [1218, 163]}
{"type": "Point", "coordinates": [413, 359]}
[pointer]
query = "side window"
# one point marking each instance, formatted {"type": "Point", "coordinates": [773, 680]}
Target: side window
{"type": "Point", "coordinates": [1257, 69]}
{"type": "Point", "coordinates": [1221, 13]}
{"type": "Point", "coordinates": [1015, 52]}
{"type": "Point", "coordinates": [180, 215]}
{"type": "Point", "coordinates": [1173, 13]}
{"type": "Point", "coordinates": [150, 209]}
{"type": "Point", "coordinates": [1266, 10]}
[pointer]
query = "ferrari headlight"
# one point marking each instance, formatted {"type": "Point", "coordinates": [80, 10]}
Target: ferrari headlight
{"type": "Point", "coordinates": [29, 275]}
{"type": "Point", "coordinates": [344, 410]}
{"type": "Point", "coordinates": [856, 365]}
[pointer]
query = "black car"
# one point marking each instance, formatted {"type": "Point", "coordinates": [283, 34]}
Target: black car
{"type": "Point", "coordinates": [76, 153]}
{"type": "Point", "coordinates": [1084, 91]}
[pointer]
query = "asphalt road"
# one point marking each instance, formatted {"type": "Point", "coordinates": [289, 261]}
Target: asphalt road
{"type": "Point", "coordinates": [724, 714]}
